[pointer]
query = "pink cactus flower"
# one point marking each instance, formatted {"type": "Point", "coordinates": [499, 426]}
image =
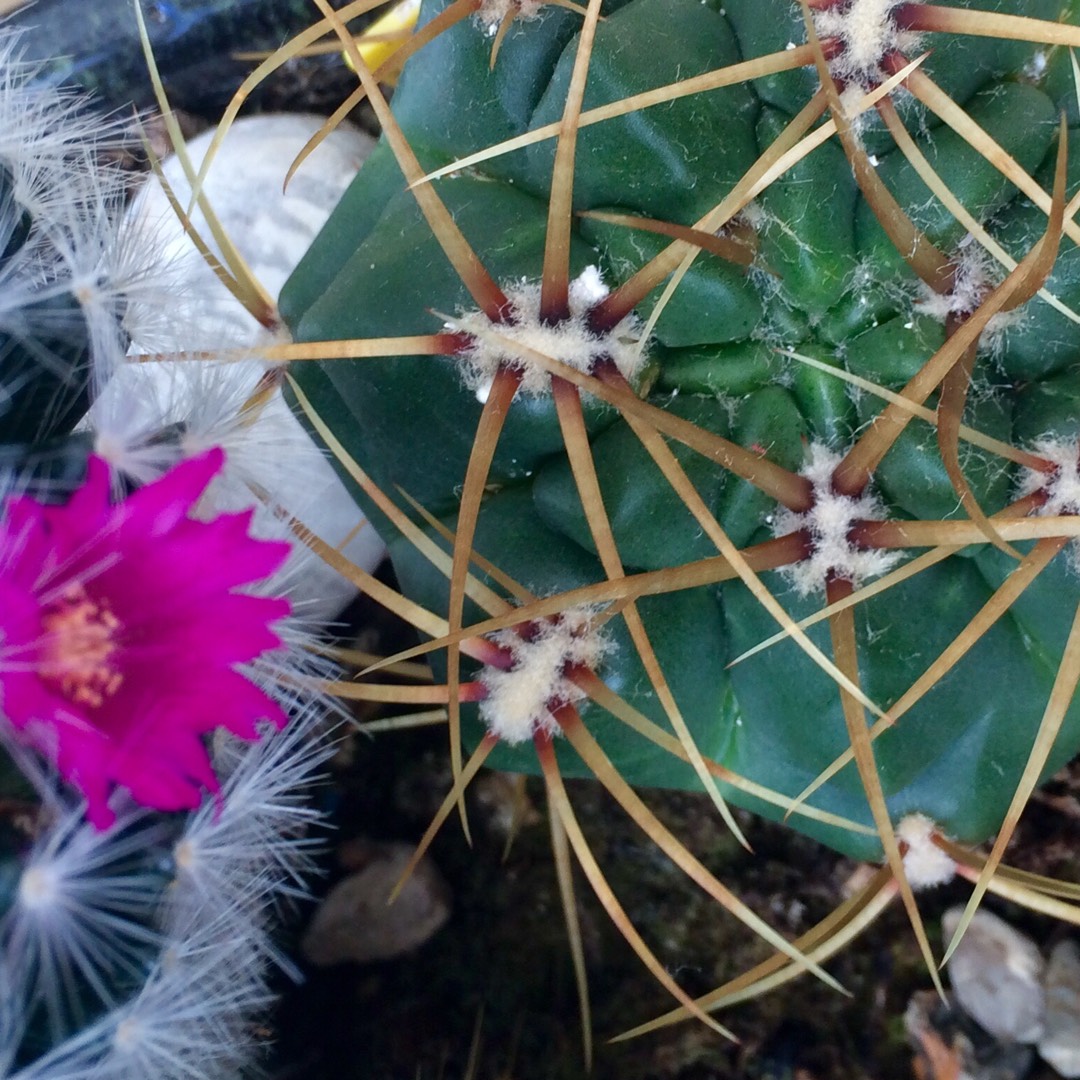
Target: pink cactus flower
{"type": "Point", "coordinates": [121, 633]}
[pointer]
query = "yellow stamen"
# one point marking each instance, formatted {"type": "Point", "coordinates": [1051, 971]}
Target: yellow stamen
{"type": "Point", "coordinates": [385, 35]}
{"type": "Point", "coordinates": [80, 645]}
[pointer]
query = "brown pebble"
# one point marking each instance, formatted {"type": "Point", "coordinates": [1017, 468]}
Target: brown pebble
{"type": "Point", "coordinates": [355, 924]}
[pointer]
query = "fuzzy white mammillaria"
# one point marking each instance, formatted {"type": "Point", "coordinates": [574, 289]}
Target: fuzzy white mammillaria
{"type": "Point", "coordinates": [267, 448]}
{"type": "Point", "coordinates": [141, 949]}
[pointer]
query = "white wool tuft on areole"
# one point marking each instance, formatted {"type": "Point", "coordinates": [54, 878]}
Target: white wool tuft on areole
{"type": "Point", "coordinates": [829, 522]}
{"type": "Point", "coordinates": [1061, 486]}
{"type": "Point", "coordinates": [519, 701]}
{"type": "Point", "coordinates": [492, 13]}
{"type": "Point", "coordinates": [976, 276]}
{"type": "Point", "coordinates": [925, 864]}
{"type": "Point", "coordinates": [569, 340]}
{"type": "Point", "coordinates": [867, 33]}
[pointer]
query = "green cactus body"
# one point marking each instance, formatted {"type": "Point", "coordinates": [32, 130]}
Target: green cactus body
{"type": "Point", "coordinates": [827, 283]}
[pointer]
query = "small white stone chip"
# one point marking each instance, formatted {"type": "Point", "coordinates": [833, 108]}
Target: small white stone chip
{"type": "Point", "coordinates": [996, 974]}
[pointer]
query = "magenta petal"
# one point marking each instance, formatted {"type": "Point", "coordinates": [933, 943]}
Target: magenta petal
{"type": "Point", "coordinates": [25, 699]}
{"type": "Point", "coordinates": [92, 499]}
{"type": "Point", "coordinates": [88, 507]}
{"type": "Point", "coordinates": [98, 812]}
{"type": "Point", "coordinates": [197, 569]}
{"type": "Point", "coordinates": [167, 773]}
{"type": "Point", "coordinates": [24, 543]}
{"type": "Point", "coordinates": [82, 757]}
{"type": "Point", "coordinates": [249, 707]}
{"type": "Point", "coordinates": [121, 632]}
{"type": "Point", "coordinates": [159, 507]}
{"type": "Point", "coordinates": [161, 789]}
{"type": "Point", "coordinates": [230, 700]}
{"type": "Point", "coordinates": [241, 631]}
{"type": "Point", "coordinates": [220, 554]}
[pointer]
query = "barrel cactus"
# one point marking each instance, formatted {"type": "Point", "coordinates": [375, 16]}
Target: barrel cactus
{"type": "Point", "coordinates": [158, 722]}
{"type": "Point", "coordinates": [711, 369]}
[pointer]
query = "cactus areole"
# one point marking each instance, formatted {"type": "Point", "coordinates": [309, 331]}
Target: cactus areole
{"type": "Point", "coordinates": [878, 262]}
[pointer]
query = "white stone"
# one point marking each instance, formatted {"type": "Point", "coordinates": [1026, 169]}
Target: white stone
{"type": "Point", "coordinates": [996, 974]}
{"type": "Point", "coordinates": [272, 230]}
{"type": "Point", "coordinates": [1060, 1042]}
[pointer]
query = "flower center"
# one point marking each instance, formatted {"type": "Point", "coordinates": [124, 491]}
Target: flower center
{"type": "Point", "coordinates": [79, 648]}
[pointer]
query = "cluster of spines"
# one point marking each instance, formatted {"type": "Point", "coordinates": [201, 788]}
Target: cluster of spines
{"type": "Point", "coordinates": [852, 83]}
{"type": "Point", "coordinates": [851, 480]}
